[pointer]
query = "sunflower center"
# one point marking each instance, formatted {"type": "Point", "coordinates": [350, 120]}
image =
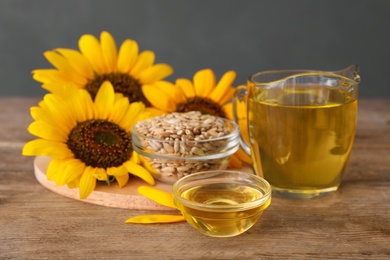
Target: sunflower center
{"type": "Point", "coordinates": [99, 143]}
{"type": "Point", "coordinates": [202, 104]}
{"type": "Point", "coordinates": [122, 83]}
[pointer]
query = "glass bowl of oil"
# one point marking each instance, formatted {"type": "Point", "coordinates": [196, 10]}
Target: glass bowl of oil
{"type": "Point", "coordinates": [222, 203]}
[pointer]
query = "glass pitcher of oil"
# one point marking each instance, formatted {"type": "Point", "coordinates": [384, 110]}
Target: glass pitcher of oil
{"type": "Point", "coordinates": [301, 126]}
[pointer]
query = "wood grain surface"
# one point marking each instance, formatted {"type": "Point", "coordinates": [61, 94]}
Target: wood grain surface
{"type": "Point", "coordinates": [352, 223]}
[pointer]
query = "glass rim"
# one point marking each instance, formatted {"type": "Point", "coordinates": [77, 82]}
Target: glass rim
{"type": "Point", "coordinates": [233, 134]}
{"type": "Point", "coordinates": [297, 74]}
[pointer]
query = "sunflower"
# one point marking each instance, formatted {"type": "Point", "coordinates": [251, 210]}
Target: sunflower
{"type": "Point", "coordinates": [203, 94]}
{"type": "Point", "coordinates": [127, 70]}
{"type": "Point", "coordinates": [87, 140]}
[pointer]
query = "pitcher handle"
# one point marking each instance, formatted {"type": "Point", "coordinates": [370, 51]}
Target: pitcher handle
{"type": "Point", "coordinates": [240, 97]}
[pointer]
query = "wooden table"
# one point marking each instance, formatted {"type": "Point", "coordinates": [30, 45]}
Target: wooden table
{"type": "Point", "coordinates": [352, 223]}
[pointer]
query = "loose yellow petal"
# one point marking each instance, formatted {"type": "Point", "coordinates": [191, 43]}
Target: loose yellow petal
{"type": "Point", "coordinates": [90, 48]}
{"type": "Point", "coordinates": [161, 197]}
{"type": "Point", "coordinates": [150, 219]}
{"type": "Point", "coordinates": [127, 56]}
{"type": "Point", "coordinates": [109, 51]}
{"type": "Point", "coordinates": [87, 183]}
{"type": "Point", "coordinates": [139, 171]}
{"type": "Point", "coordinates": [204, 82]}
{"type": "Point", "coordinates": [155, 73]}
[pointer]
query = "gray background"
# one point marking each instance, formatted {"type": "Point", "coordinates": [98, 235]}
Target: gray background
{"type": "Point", "coordinates": [242, 35]}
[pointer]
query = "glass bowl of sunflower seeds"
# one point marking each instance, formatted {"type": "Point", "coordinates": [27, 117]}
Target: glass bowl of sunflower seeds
{"type": "Point", "coordinates": [175, 145]}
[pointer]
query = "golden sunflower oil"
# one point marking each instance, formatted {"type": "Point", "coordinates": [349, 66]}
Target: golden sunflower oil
{"type": "Point", "coordinates": [227, 214]}
{"type": "Point", "coordinates": [302, 148]}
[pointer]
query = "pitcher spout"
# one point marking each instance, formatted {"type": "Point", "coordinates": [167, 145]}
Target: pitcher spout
{"type": "Point", "coordinates": [351, 72]}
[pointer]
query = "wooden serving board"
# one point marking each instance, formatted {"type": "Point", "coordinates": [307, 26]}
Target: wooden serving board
{"type": "Point", "coordinates": [104, 195]}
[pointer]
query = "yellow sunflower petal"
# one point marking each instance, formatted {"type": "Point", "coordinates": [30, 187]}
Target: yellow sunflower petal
{"type": "Point", "coordinates": [49, 76]}
{"type": "Point", "coordinates": [54, 169]}
{"type": "Point", "coordinates": [87, 183]}
{"type": "Point", "coordinates": [109, 51]}
{"type": "Point", "coordinates": [74, 184]}
{"type": "Point", "coordinates": [54, 88]}
{"type": "Point", "coordinates": [120, 173]}
{"type": "Point", "coordinates": [160, 97]}
{"type": "Point", "coordinates": [150, 219]}
{"type": "Point", "coordinates": [38, 113]}
{"type": "Point", "coordinates": [153, 112]}
{"type": "Point", "coordinates": [59, 111]}
{"type": "Point", "coordinates": [135, 158]}
{"type": "Point", "coordinates": [172, 91]}
{"type": "Point", "coordinates": [121, 105]}
{"type": "Point", "coordinates": [46, 131]}
{"type": "Point", "coordinates": [104, 100]}
{"type": "Point", "coordinates": [46, 148]}
{"type": "Point", "coordinates": [227, 96]}
{"type": "Point", "coordinates": [144, 61]}
{"type": "Point", "coordinates": [62, 64]}
{"type": "Point", "coordinates": [243, 156]}
{"type": "Point", "coordinates": [139, 171]}
{"type": "Point", "coordinates": [100, 174]}
{"type": "Point", "coordinates": [186, 86]}
{"type": "Point", "coordinates": [161, 197]}
{"type": "Point", "coordinates": [154, 73]}
{"type": "Point", "coordinates": [122, 179]}
{"type": "Point", "coordinates": [204, 82]}
{"type": "Point", "coordinates": [132, 115]}
{"type": "Point", "coordinates": [243, 124]}
{"type": "Point", "coordinates": [78, 61]}
{"type": "Point", "coordinates": [127, 56]}
{"type": "Point", "coordinates": [86, 102]}
{"type": "Point", "coordinates": [228, 110]}
{"type": "Point", "coordinates": [72, 168]}
{"type": "Point", "coordinates": [223, 86]}
{"type": "Point", "coordinates": [82, 105]}
{"type": "Point", "coordinates": [90, 48]}
{"type": "Point", "coordinates": [235, 163]}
